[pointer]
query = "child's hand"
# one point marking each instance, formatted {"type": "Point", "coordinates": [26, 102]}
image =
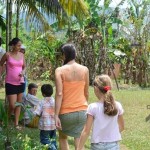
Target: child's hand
{"type": "Point", "coordinates": [58, 123]}
{"type": "Point", "coordinates": [35, 107]}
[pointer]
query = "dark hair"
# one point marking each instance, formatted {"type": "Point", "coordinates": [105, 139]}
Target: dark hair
{"type": "Point", "coordinates": [32, 85]}
{"type": "Point", "coordinates": [101, 82]}
{"type": "Point", "coordinates": [14, 41]}
{"type": "Point", "coordinates": [47, 90]}
{"type": "Point", "coordinates": [69, 51]}
{"type": "Point", "coordinates": [0, 41]}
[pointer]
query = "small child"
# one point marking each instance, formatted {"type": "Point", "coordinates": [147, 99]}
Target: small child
{"type": "Point", "coordinates": [45, 110]}
{"type": "Point", "coordinates": [106, 116]}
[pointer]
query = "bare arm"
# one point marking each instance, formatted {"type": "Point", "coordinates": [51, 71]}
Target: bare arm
{"type": "Point", "coordinates": [4, 58]}
{"type": "Point", "coordinates": [58, 96]}
{"type": "Point", "coordinates": [23, 67]}
{"type": "Point", "coordinates": [85, 132]}
{"type": "Point", "coordinates": [86, 89]}
{"type": "Point", "coordinates": [121, 123]}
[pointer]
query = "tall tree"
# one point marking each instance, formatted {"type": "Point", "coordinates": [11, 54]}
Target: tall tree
{"type": "Point", "coordinates": [10, 19]}
{"type": "Point", "coordinates": [7, 25]}
{"type": "Point", "coordinates": [17, 18]}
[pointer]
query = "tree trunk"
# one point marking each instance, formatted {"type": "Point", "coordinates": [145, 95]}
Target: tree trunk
{"type": "Point", "coordinates": [98, 66]}
{"type": "Point", "coordinates": [17, 18]}
{"type": "Point", "coordinates": [10, 20]}
{"type": "Point", "coordinates": [7, 25]}
{"type": "Point", "coordinates": [0, 32]}
{"type": "Point", "coordinates": [127, 71]}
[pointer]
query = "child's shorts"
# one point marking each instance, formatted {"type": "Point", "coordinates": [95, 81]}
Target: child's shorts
{"type": "Point", "coordinates": [105, 146]}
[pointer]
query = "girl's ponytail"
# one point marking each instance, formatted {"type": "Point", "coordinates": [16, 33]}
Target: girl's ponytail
{"type": "Point", "coordinates": [110, 108]}
{"type": "Point", "coordinates": [103, 83]}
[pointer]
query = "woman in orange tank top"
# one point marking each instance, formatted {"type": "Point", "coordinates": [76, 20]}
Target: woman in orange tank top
{"type": "Point", "coordinates": [72, 83]}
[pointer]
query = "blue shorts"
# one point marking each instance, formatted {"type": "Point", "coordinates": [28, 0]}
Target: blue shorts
{"type": "Point", "coordinates": [105, 146]}
{"type": "Point", "coordinates": [48, 137]}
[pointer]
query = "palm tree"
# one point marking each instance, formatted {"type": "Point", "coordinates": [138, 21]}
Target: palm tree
{"type": "Point", "coordinates": [7, 24]}
{"type": "Point", "coordinates": [17, 18]}
{"type": "Point", "coordinates": [38, 12]}
{"type": "Point", "coordinates": [35, 13]}
{"type": "Point", "coordinates": [10, 19]}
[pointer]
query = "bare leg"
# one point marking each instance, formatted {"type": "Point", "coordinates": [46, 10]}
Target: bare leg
{"type": "Point", "coordinates": [11, 99]}
{"type": "Point", "coordinates": [63, 143]}
{"type": "Point", "coordinates": [17, 109]}
{"type": "Point", "coordinates": [76, 143]}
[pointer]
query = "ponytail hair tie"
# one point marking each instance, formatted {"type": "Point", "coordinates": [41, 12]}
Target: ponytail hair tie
{"type": "Point", "coordinates": [107, 88]}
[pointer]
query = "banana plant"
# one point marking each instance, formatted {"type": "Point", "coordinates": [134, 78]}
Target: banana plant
{"type": "Point", "coordinates": [103, 17]}
{"type": "Point", "coordinates": [135, 28]}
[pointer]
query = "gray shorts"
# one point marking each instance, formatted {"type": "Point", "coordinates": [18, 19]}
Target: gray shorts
{"type": "Point", "coordinates": [73, 123]}
{"type": "Point", "coordinates": [105, 146]}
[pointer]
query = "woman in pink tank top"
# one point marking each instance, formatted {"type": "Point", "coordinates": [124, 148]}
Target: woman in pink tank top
{"type": "Point", "coordinates": [14, 81]}
{"type": "Point", "coordinates": [72, 82]}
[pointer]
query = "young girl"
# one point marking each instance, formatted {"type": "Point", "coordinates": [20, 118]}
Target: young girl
{"type": "Point", "coordinates": [106, 116]}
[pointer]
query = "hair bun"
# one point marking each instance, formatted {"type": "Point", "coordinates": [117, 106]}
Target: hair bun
{"type": "Point", "coordinates": [14, 41]}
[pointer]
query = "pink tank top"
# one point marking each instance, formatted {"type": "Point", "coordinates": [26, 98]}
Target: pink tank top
{"type": "Point", "coordinates": [13, 69]}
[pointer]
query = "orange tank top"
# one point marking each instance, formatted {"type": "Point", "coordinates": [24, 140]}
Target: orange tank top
{"type": "Point", "coordinates": [73, 96]}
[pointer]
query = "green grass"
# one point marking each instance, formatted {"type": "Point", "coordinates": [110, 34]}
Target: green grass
{"type": "Point", "coordinates": [137, 131]}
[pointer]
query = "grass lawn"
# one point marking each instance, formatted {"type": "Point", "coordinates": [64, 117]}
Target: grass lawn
{"type": "Point", "coordinates": [137, 131]}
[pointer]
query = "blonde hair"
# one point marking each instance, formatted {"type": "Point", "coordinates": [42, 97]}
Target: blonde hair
{"type": "Point", "coordinates": [101, 82]}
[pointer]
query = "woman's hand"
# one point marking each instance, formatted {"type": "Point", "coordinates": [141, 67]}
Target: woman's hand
{"type": "Point", "coordinates": [21, 74]}
{"type": "Point", "coordinates": [58, 123]}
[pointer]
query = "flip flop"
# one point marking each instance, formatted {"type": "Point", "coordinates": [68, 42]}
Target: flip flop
{"type": "Point", "coordinates": [18, 127]}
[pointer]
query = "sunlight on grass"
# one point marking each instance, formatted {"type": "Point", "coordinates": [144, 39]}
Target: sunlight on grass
{"type": "Point", "coordinates": [136, 135]}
